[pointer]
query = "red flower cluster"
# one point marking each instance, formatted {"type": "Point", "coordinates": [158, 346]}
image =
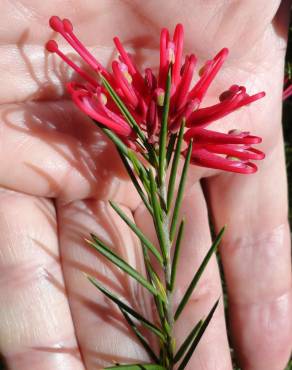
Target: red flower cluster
{"type": "Point", "coordinates": [144, 96]}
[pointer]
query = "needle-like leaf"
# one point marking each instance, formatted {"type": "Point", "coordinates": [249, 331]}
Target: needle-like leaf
{"type": "Point", "coordinates": [114, 138]}
{"type": "Point", "coordinates": [189, 339]}
{"type": "Point", "coordinates": [137, 231]}
{"type": "Point", "coordinates": [124, 110]}
{"type": "Point", "coordinates": [157, 213]}
{"type": "Point", "coordinates": [180, 192]}
{"type": "Point", "coordinates": [131, 120]}
{"type": "Point", "coordinates": [176, 254]}
{"type": "Point", "coordinates": [126, 308]}
{"type": "Point", "coordinates": [170, 147]}
{"type": "Point", "coordinates": [152, 276]}
{"type": "Point", "coordinates": [198, 337]}
{"type": "Point", "coordinates": [140, 336]}
{"type": "Point", "coordinates": [135, 181]}
{"type": "Point", "coordinates": [128, 153]}
{"type": "Point", "coordinates": [164, 126]}
{"type": "Point", "coordinates": [119, 262]}
{"type": "Point", "coordinates": [198, 274]}
{"type": "Point", "coordinates": [173, 172]}
{"type": "Point", "coordinates": [140, 170]}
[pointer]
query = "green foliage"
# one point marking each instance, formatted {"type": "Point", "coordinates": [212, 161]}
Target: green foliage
{"type": "Point", "coordinates": [197, 337]}
{"type": "Point", "coordinates": [187, 342]}
{"type": "Point", "coordinates": [163, 130]}
{"type": "Point", "coordinates": [126, 308]}
{"type": "Point", "coordinates": [198, 274]}
{"type": "Point", "coordinates": [174, 167]}
{"type": "Point", "coordinates": [176, 253]}
{"type": "Point", "coordinates": [100, 247]}
{"type": "Point", "coordinates": [140, 336]}
{"type": "Point", "coordinates": [180, 193]}
{"type": "Point", "coordinates": [148, 175]}
{"type": "Point", "coordinates": [144, 240]}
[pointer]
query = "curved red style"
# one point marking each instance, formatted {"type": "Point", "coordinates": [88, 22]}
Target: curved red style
{"type": "Point", "coordinates": [143, 94]}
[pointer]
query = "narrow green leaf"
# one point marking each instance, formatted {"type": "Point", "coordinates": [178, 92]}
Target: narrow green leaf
{"type": "Point", "coordinates": [124, 110]}
{"type": "Point", "coordinates": [128, 153]}
{"type": "Point", "coordinates": [198, 337]}
{"type": "Point", "coordinates": [148, 265]}
{"type": "Point", "coordinates": [152, 276]}
{"type": "Point", "coordinates": [119, 262]}
{"type": "Point", "coordinates": [157, 212]}
{"type": "Point", "coordinates": [135, 181]}
{"type": "Point", "coordinates": [137, 231]}
{"type": "Point", "coordinates": [138, 367]}
{"type": "Point", "coordinates": [198, 274]}
{"type": "Point", "coordinates": [140, 170]}
{"type": "Point", "coordinates": [164, 126]}
{"type": "Point", "coordinates": [159, 286]}
{"type": "Point", "coordinates": [114, 138]}
{"type": "Point", "coordinates": [170, 148]}
{"type": "Point", "coordinates": [189, 339]}
{"type": "Point", "coordinates": [131, 120]}
{"type": "Point", "coordinates": [180, 192]}
{"type": "Point", "coordinates": [176, 254]}
{"type": "Point", "coordinates": [174, 166]}
{"type": "Point", "coordinates": [140, 336]}
{"type": "Point", "coordinates": [126, 308]}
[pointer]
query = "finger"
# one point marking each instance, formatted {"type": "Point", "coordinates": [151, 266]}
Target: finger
{"type": "Point", "coordinates": [25, 77]}
{"type": "Point", "coordinates": [213, 350]}
{"type": "Point", "coordinates": [36, 329]}
{"type": "Point", "coordinates": [55, 151]}
{"type": "Point", "coordinates": [103, 335]}
{"type": "Point", "coordinates": [257, 261]}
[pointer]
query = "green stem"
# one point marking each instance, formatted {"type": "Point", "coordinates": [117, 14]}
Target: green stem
{"type": "Point", "coordinates": [167, 324]}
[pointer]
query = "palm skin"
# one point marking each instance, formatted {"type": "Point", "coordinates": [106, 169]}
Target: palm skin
{"type": "Point", "coordinates": [57, 173]}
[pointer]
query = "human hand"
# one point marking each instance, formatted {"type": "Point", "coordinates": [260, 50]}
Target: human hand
{"type": "Point", "coordinates": [58, 172]}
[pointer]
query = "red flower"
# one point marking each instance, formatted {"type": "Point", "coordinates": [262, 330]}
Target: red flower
{"type": "Point", "coordinates": [209, 146]}
{"type": "Point", "coordinates": [143, 95]}
{"type": "Point", "coordinates": [230, 100]}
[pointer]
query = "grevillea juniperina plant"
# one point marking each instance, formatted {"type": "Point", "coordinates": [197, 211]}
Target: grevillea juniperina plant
{"type": "Point", "coordinates": [150, 119]}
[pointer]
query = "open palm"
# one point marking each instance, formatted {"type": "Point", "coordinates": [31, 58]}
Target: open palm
{"type": "Point", "coordinates": [57, 173]}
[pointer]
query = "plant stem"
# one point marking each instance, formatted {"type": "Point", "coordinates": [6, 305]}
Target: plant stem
{"type": "Point", "coordinates": [168, 351]}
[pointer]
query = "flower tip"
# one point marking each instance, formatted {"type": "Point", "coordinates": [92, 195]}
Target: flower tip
{"type": "Point", "coordinates": [116, 40]}
{"type": "Point", "coordinates": [56, 24]}
{"type": "Point", "coordinates": [68, 26]}
{"type": "Point", "coordinates": [258, 96]}
{"type": "Point", "coordinates": [250, 169]}
{"type": "Point", "coordinates": [256, 139]}
{"type": "Point", "coordinates": [237, 166]}
{"type": "Point", "coordinates": [164, 37]}
{"type": "Point", "coordinates": [222, 55]}
{"type": "Point", "coordinates": [255, 97]}
{"type": "Point", "coordinates": [261, 94]}
{"type": "Point", "coordinates": [179, 29]}
{"type": "Point", "coordinates": [52, 46]}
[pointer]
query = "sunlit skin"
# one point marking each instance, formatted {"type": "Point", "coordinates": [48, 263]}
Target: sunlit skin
{"type": "Point", "coordinates": [57, 173]}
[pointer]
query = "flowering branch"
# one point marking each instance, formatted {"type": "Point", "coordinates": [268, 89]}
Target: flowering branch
{"type": "Point", "coordinates": [148, 118]}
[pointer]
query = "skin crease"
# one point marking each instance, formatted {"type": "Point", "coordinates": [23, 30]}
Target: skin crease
{"type": "Point", "coordinates": [57, 173]}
